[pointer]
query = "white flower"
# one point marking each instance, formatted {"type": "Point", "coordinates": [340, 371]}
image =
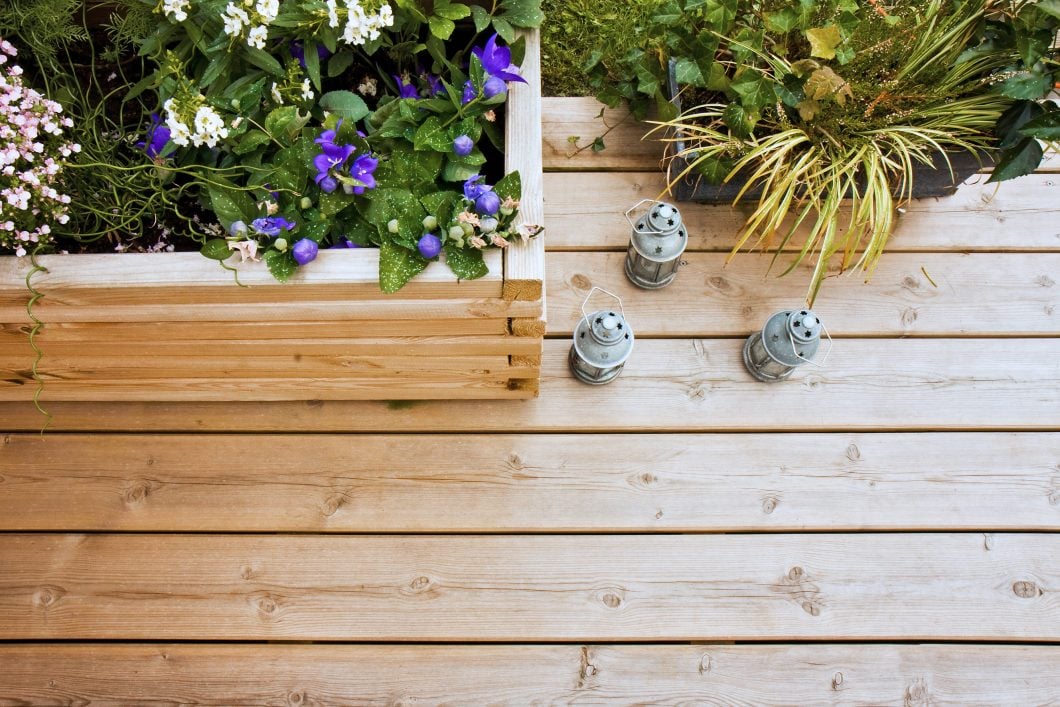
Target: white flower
{"type": "Point", "coordinates": [268, 9]}
{"type": "Point", "coordinates": [368, 87]}
{"type": "Point", "coordinates": [333, 14]}
{"type": "Point", "coordinates": [276, 94]}
{"type": "Point", "coordinates": [177, 9]}
{"type": "Point", "coordinates": [209, 127]}
{"type": "Point", "coordinates": [180, 134]}
{"type": "Point", "coordinates": [307, 91]}
{"type": "Point", "coordinates": [248, 250]}
{"type": "Point", "coordinates": [256, 36]}
{"type": "Point", "coordinates": [234, 20]}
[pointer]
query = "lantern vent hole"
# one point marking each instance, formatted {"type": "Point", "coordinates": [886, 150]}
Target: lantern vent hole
{"type": "Point", "coordinates": [620, 325]}
{"type": "Point", "coordinates": [582, 336]}
{"type": "Point", "coordinates": [627, 336]}
{"type": "Point", "coordinates": [670, 222]}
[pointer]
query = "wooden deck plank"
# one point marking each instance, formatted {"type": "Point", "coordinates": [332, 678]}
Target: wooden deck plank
{"type": "Point", "coordinates": [531, 588]}
{"type": "Point", "coordinates": [693, 385]}
{"type": "Point", "coordinates": [534, 674]}
{"type": "Point", "coordinates": [530, 483]}
{"type": "Point", "coordinates": [627, 148]}
{"type": "Point", "coordinates": [979, 217]}
{"type": "Point", "coordinates": [973, 295]}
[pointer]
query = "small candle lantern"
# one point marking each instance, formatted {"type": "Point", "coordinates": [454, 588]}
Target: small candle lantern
{"type": "Point", "coordinates": [655, 246]}
{"type": "Point", "coordinates": [788, 340]}
{"type": "Point", "coordinates": [603, 341]}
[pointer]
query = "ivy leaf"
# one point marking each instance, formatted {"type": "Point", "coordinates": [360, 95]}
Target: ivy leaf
{"type": "Point", "coordinates": [1012, 120]}
{"type": "Point", "coordinates": [739, 121]}
{"type": "Point", "coordinates": [281, 265]}
{"type": "Point", "coordinates": [687, 72]}
{"type": "Point", "coordinates": [1044, 127]}
{"type": "Point", "coordinates": [216, 249]}
{"type": "Point", "coordinates": [1027, 84]}
{"type": "Point", "coordinates": [714, 169]}
{"type": "Point", "coordinates": [398, 265]}
{"type": "Point", "coordinates": [823, 41]}
{"type": "Point", "coordinates": [466, 263]}
{"type": "Point", "coordinates": [1022, 159]}
{"type": "Point", "coordinates": [755, 90]}
{"type": "Point", "coordinates": [783, 21]}
{"type": "Point", "coordinates": [598, 144]}
{"type": "Point", "coordinates": [345, 104]}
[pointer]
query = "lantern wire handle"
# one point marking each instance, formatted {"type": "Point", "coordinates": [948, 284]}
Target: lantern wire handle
{"type": "Point", "coordinates": [585, 315]}
{"type": "Point", "coordinates": [632, 225]}
{"type": "Point", "coordinates": [827, 353]}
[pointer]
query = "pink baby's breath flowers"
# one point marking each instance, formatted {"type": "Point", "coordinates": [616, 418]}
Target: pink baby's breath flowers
{"type": "Point", "coordinates": [31, 135]}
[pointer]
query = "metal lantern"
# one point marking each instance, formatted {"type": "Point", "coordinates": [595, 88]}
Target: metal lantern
{"type": "Point", "coordinates": [788, 340]}
{"type": "Point", "coordinates": [603, 341]}
{"type": "Point", "coordinates": [655, 246]}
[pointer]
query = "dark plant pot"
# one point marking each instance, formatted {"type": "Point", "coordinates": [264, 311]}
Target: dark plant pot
{"type": "Point", "coordinates": [933, 180]}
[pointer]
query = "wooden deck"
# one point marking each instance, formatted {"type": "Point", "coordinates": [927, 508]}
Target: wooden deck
{"type": "Point", "coordinates": [883, 530]}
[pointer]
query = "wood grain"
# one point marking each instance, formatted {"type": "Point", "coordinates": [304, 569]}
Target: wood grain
{"type": "Point", "coordinates": [524, 263]}
{"type": "Point", "coordinates": [694, 385]}
{"type": "Point", "coordinates": [531, 588]}
{"type": "Point", "coordinates": [972, 295]}
{"type": "Point", "coordinates": [60, 674]}
{"type": "Point", "coordinates": [1024, 216]}
{"type": "Point", "coordinates": [530, 483]}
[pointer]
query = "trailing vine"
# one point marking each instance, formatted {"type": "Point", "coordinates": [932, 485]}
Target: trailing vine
{"type": "Point", "coordinates": [37, 326]}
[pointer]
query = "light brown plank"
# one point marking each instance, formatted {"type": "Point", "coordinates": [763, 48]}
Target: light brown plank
{"type": "Point", "coordinates": [531, 588]}
{"type": "Point", "coordinates": [627, 148]}
{"type": "Point", "coordinates": [1024, 216]}
{"type": "Point", "coordinates": [529, 483]}
{"type": "Point", "coordinates": [189, 278]}
{"type": "Point", "coordinates": [976, 295]}
{"type": "Point", "coordinates": [533, 674]}
{"type": "Point", "coordinates": [54, 310]}
{"type": "Point", "coordinates": [524, 263]}
{"type": "Point", "coordinates": [674, 385]}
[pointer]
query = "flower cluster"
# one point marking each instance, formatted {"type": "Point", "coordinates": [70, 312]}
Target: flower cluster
{"type": "Point", "coordinates": [209, 127]}
{"type": "Point", "coordinates": [31, 160]}
{"type": "Point", "coordinates": [482, 222]}
{"type": "Point", "coordinates": [332, 160]}
{"type": "Point", "coordinates": [361, 25]}
{"type": "Point", "coordinates": [256, 22]}
{"type": "Point", "coordinates": [177, 9]}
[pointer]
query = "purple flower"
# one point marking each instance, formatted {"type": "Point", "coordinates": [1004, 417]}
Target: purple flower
{"type": "Point", "coordinates": [305, 251]}
{"type": "Point", "coordinates": [156, 139]}
{"type": "Point", "coordinates": [497, 61]}
{"type": "Point", "coordinates": [331, 157]}
{"type": "Point", "coordinates": [297, 50]}
{"type": "Point", "coordinates": [344, 242]}
{"type": "Point", "coordinates": [493, 86]}
{"type": "Point", "coordinates": [362, 171]}
{"type": "Point", "coordinates": [326, 183]}
{"type": "Point", "coordinates": [405, 90]}
{"type": "Point", "coordinates": [487, 203]}
{"type": "Point", "coordinates": [429, 246]}
{"type": "Point", "coordinates": [271, 225]}
{"type": "Point", "coordinates": [473, 190]}
{"type": "Point", "coordinates": [463, 145]}
{"type": "Point", "coordinates": [469, 93]}
{"type": "Point", "coordinates": [435, 84]}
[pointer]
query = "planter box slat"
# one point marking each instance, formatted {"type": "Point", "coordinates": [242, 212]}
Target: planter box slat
{"type": "Point", "coordinates": [171, 327]}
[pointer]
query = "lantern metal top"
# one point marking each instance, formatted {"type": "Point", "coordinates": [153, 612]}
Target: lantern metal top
{"type": "Point", "coordinates": [603, 339]}
{"type": "Point", "coordinates": [802, 330]}
{"type": "Point", "coordinates": [659, 235]}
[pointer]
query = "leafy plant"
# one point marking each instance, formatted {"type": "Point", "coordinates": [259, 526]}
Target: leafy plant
{"type": "Point", "coordinates": [816, 103]}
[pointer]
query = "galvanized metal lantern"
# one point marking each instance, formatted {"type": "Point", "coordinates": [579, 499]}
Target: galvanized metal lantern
{"type": "Point", "coordinates": [603, 341]}
{"type": "Point", "coordinates": [655, 246]}
{"type": "Point", "coordinates": [788, 340]}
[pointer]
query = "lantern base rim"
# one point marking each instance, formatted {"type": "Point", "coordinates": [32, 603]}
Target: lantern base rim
{"type": "Point", "coordinates": [646, 284]}
{"type": "Point", "coordinates": [754, 371]}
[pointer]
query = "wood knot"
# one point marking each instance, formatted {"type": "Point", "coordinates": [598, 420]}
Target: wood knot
{"type": "Point", "coordinates": [810, 608]}
{"type": "Point", "coordinates": [313, 404]}
{"type": "Point", "coordinates": [719, 283]}
{"type": "Point", "coordinates": [295, 698]}
{"type": "Point", "coordinates": [612, 600]}
{"type": "Point", "coordinates": [909, 316]}
{"type": "Point", "coordinates": [420, 584]}
{"type": "Point", "coordinates": [7, 440]}
{"type": "Point", "coordinates": [137, 491]}
{"type": "Point", "coordinates": [795, 573]}
{"type": "Point", "coordinates": [769, 504]}
{"type": "Point", "coordinates": [247, 573]}
{"type": "Point", "coordinates": [658, 514]}
{"type": "Point", "coordinates": [705, 664]}
{"type": "Point", "coordinates": [266, 605]}
{"type": "Point", "coordinates": [47, 596]}
{"type": "Point", "coordinates": [1045, 281]}
{"type": "Point", "coordinates": [916, 694]}
{"type": "Point", "coordinates": [837, 681]}
{"type": "Point", "coordinates": [697, 392]}
{"type": "Point", "coordinates": [910, 283]}
{"type": "Point", "coordinates": [580, 282]}
{"type": "Point", "coordinates": [1026, 590]}
{"type": "Point", "coordinates": [332, 504]}
{"type": "Point", "coordinates": [586, 670]}
{"type": "Point", "coordinates": [853, 453]}
{"type": "Point", "coordinates": [515, 462]}
{"type": "Point", "coordinates": [988, 541]}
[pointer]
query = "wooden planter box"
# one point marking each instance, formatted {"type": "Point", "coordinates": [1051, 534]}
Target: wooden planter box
{"type": "Point", "coordinates": [175, 327]}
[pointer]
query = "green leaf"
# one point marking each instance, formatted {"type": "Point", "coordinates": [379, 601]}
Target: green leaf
{"type": "Point", "coordinates": [458, 171]}
{"type": "Point", "coordinates": [386, 204]}
{"type": "Point", "coordinates": [738, 119]}
{"type": "Point", "coordinates": [1050, 7]}
{"type": "Point", "coordinates": [452, 11]}
{"type": "Point", "coordinates": [284, 123]}
{"type": "Point", "coordinates": [598, 144]}
{"type": "Point", "coordinates": [510, 186]}
{"type": "Point", "coordinates": [466, 263]}
{"type": "Point", "coordinates": [755, 90]}
{"type": "Point", "coordinates": [345, 104]}
{"type": "Point", "coordinates": [264, 61]}
{"type": "Point", "coordinates": [331, 204]}
{"type": "Point", "coordinates": [783, 21]}
{"type": "Point", "coordinates": [1044, 127]}
{"type": "Point", "coordinates": [312, 63]}
{"type": "Point", "coordinates": [687, 72]}
{"type": "Point", "coordinates": [398, 265]}
{"type": "Point", "coordinates": [339, 63]}
{"type": "Point", "coordinates": [647, 82]}
{"type": "Point", "coordinates": [231, 205]}
{"type": "Point", "coordinates": [1009, 124]}
{"type": "Point", "coordinates": [714, 169]}
{"type": "Point", "coordinates": [216, 249]}
{"type": "Point", "coordinates": [823, 41]}
{"type": "Point", "coordinates": [1020, 160]}
{"type": "Point", "coordinates": [522, 13]}
{"type": "Point", "coordinates": [441, 28]}
{"type": "Point", "coordinates": [281, 265]}
{"type": "Point", "coordinates": [432, 135]}
{"type": "Point", "coordinates": [504, 29]}
{"type": "Point", "coordinates": [481, 18]}
{"type": "Point", "coordinates": [251, 141]}
{"type": "Point", "coordinates": [1027, 84]}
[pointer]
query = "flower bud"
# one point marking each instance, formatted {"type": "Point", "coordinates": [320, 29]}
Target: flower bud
{"type": "Point", "coordinates": [429, 246]}
{"type": "Point", "coordinates": [493, 87]}
{"type": "Point", "coordinates": [505, 211]}
{"type": "Point", "coordinates": [305, 203]}
{"type": "Point", "coordinates": [238, 229]}
{"type": "Point", "coordinates": [463, 145]}
{"type": "Point", "coordinates": [456, 233]}
{"type": "Point", "coordinates": [489, 224]}
{"type": "Point", "coordinates": [487, 204]}
{"type": "Point", "coordinates": [469, 230]}
{"type": "Point", "coordinates": [280, 244]}
{"type": "Point", "coordinates": [430, 223]}
{"type": "Point", "coordinates": [393, 226]}
{"type": "Point", "coordinates": [305, 251]}
{"type": "Point", "coordinates": [235, 104]}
